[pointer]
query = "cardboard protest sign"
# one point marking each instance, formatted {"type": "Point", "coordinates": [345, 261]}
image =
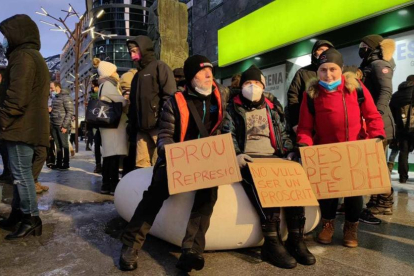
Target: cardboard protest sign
{"type": "Point", "coordinates": [281, 183]}
{"type": "Point", "coordinates": [201, 163]}
{"type": "Point", "coordinates": [346, 169]}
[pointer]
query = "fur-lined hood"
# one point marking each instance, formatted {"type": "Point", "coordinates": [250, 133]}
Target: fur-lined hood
{"type": "Point", "coordinates": [387, 47]}
{"type": "Point", "coordinates": [351, 83]}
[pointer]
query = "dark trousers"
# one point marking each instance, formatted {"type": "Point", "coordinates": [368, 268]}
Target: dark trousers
{"type": "Point", "coordinates": [406, 146]}
{"type": "Point", "coordinates": [267, 215]}
{"type": "Point", "coordinates": [353, 207]}
{"type": "Point", "coordinates": [72, 138]}
{"type": "Point", "coordinates": [151, 203]}
{"type": "Point", "coordinates": [98, 142]}
{"type": "Point", "coordinates": [51, 158]}
{"type": "Point", "coordinates": [39, 158]}
{"type": "Point", "coordinates": [129, 161]}
{"type": "Point", "coordinates": [5, 157]}
{"type": "Point", "coordinates": [62, 146]}
{"type": "Point", "coordinates": [110, 170]}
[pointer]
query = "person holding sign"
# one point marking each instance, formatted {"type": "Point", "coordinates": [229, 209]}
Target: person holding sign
{"type": "Point", "coordinates": [258, 131]}
{"type": "Point", "coordinates": [337, 117]}
{"type": "Point", "coordinates": [197, 112]}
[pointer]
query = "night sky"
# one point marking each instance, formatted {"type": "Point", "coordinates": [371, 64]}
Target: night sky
{"type": "Point", "coordinates": [52, 42]}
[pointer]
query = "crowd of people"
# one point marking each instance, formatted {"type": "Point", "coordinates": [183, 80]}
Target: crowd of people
{"type": "Point", "coordinates": [326, 104]}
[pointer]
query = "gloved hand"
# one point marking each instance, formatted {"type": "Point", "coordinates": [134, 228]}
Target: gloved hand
{"type": "Point", "coordinates": [291, 156]}
{"type": "Point", "coordinates": [242, 159]}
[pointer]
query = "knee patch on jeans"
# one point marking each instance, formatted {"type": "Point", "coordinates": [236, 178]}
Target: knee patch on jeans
{"type": "Point", "coordinates": [18, 182]}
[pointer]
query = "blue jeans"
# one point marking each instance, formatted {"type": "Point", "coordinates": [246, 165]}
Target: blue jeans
{"type": "Point", "coordinates": [24, 191]}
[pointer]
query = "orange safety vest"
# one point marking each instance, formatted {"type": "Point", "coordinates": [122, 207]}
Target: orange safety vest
{"type": "Point", "coordinates": [185, 113]}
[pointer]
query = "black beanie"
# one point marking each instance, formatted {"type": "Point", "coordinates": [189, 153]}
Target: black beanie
{"type": "Point", "coordinates": [331, 55]}
{"type": "Point", "coordinates": [253, 73]}
{"type": "Point", "coordinates": [373, 41]}
{"type": "Point", "coordinates": [194, 64]}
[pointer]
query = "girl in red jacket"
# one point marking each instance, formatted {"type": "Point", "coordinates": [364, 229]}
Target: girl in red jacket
{"type": "Point", "coordinates": [331, 113]}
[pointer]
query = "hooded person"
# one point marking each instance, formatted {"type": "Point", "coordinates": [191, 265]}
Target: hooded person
{"type": "Point", "coordinates": [337, 117]}
{"type": "Point", "coordinates": [179, 78]}
{"type": "Point", "coordinates": [150, 88]}
{"type": "Point", "coordinates": [114, 140]}
{"type": "Point", "coordinates": [378, 69]}
{"type": "Point", "coordinates": [24, 119]}
{"type": "Point", "coordinates": [208, 99]}
{"type": "Point", "coordinates": [298, 85]}
{"type": "Point", "coordinates": [402, 105]}
{"type": "Point", "coordinates": [258, 131]}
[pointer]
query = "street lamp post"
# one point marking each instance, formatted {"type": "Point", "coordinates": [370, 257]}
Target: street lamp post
{"type": "Point", "coordinates": [78, 35]}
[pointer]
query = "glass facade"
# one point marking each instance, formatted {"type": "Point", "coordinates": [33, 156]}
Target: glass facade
{"type": "Point", "coordinates": [113, 50]}
{"type": "Point", "coordinates": [125, 18]}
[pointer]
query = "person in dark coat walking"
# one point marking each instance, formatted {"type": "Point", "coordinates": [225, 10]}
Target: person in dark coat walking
{"type": "Point", "coordinates": [24, 118]}
{"type": "Point", "coordinates": [258, 131]}
{"type": "Point", "coordinates": [176, 125]}
{"type": "Point", "coordinates": [150, 88]}
{"type": "Point", "coordinates": [378, 68]}
{"type": "Point", "coordinates": [298, 85]}
{"type": "Point", "coordinates": [60, 119]}
{"type": "Point", "coordinates": [402, 105]}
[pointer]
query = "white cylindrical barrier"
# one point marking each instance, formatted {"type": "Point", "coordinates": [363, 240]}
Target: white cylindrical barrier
{"type": "Point", "coordinates": [234, 223]}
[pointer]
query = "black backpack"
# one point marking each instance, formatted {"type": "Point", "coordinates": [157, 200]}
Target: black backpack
{"type": "Point", "coordinates": [311, 102]}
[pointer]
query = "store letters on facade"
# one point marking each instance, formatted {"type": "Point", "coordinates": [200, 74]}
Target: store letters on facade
{"type": "Point", "coordinates": [201, 163]}
{"type": "Point", "coordinates": [346, 169]}
{"type": "Point", "coordinates": [281, 183]}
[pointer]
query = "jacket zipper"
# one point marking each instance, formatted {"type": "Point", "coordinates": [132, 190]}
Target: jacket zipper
{"type": "Point", "coordinates": [204, 115]}
{"type": "Point", "coordinates": [346, 116]}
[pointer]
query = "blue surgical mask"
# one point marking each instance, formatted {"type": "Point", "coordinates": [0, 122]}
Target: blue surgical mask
{"type": "Point", "coordinates": [54, 94]}
{"type": "Point", "coordinates": [5, 44]}
{"type": "Point", "coordinates": [330, 86]}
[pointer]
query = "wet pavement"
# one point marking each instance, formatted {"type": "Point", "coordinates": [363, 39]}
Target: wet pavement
{"type": "Point", "coordinates": [81, 229]}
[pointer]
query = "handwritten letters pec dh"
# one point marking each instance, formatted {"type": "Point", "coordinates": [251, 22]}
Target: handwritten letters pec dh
{"type": "Point", "coordinates": [346, 169]}
{"type": "Point", "coordinates": [201, 163]}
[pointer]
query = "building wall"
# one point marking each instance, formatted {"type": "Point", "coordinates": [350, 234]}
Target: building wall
{"type": "Point", "coordinates": [208, 16]}
{"type": "Point", "coordinates": [123, 18]}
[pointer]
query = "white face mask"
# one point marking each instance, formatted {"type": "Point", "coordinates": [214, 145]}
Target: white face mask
{"type": "Point", "coordinates": [252, 92]}
{"type": "Point", "coordinates": [203, 90]}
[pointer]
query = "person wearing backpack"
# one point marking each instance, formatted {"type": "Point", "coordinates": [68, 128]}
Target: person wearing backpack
{"type": "Point", "coordinates": [337, 118]}
{"type": "Point", "coordinates": [402, 104]}
{"type": "Point", "coordinates": [258, 131]}
{"type": "Point", "coordinates": [150, 88]}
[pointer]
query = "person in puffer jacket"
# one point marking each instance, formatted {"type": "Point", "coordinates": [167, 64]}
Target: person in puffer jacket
{"type": "Point", "coordinates": [178, 125]}
{"type": "Point", "coordinates": [259, 131]}
{"type": "Point", "coordinates": [60, 118]}
{"type": "Point", "coordinates": [378, 69]}
{"type": "Point", "coordinates": [337, 118]}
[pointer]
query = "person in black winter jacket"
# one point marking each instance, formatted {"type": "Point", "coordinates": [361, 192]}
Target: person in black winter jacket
{"type": "Point", "coordinates": [151, 86]}
{"type": "Point", "coordinates": [176, 125]}
{"type": "Point", "coordinates": [299, 81]}
{"type": "Point", "coordinates": [402, 105]}
{"type": "Point", "coordinates": [60, 120]}
{"type": "Point", "coordinates": [378, 68]}
{"type": "Point", "coordinates": [258, 131]}
{"type": "Point", "coordinates": [24, 119]}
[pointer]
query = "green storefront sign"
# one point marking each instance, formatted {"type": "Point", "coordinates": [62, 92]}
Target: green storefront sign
{"type": "Point", "coordinates": [283, 22]}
